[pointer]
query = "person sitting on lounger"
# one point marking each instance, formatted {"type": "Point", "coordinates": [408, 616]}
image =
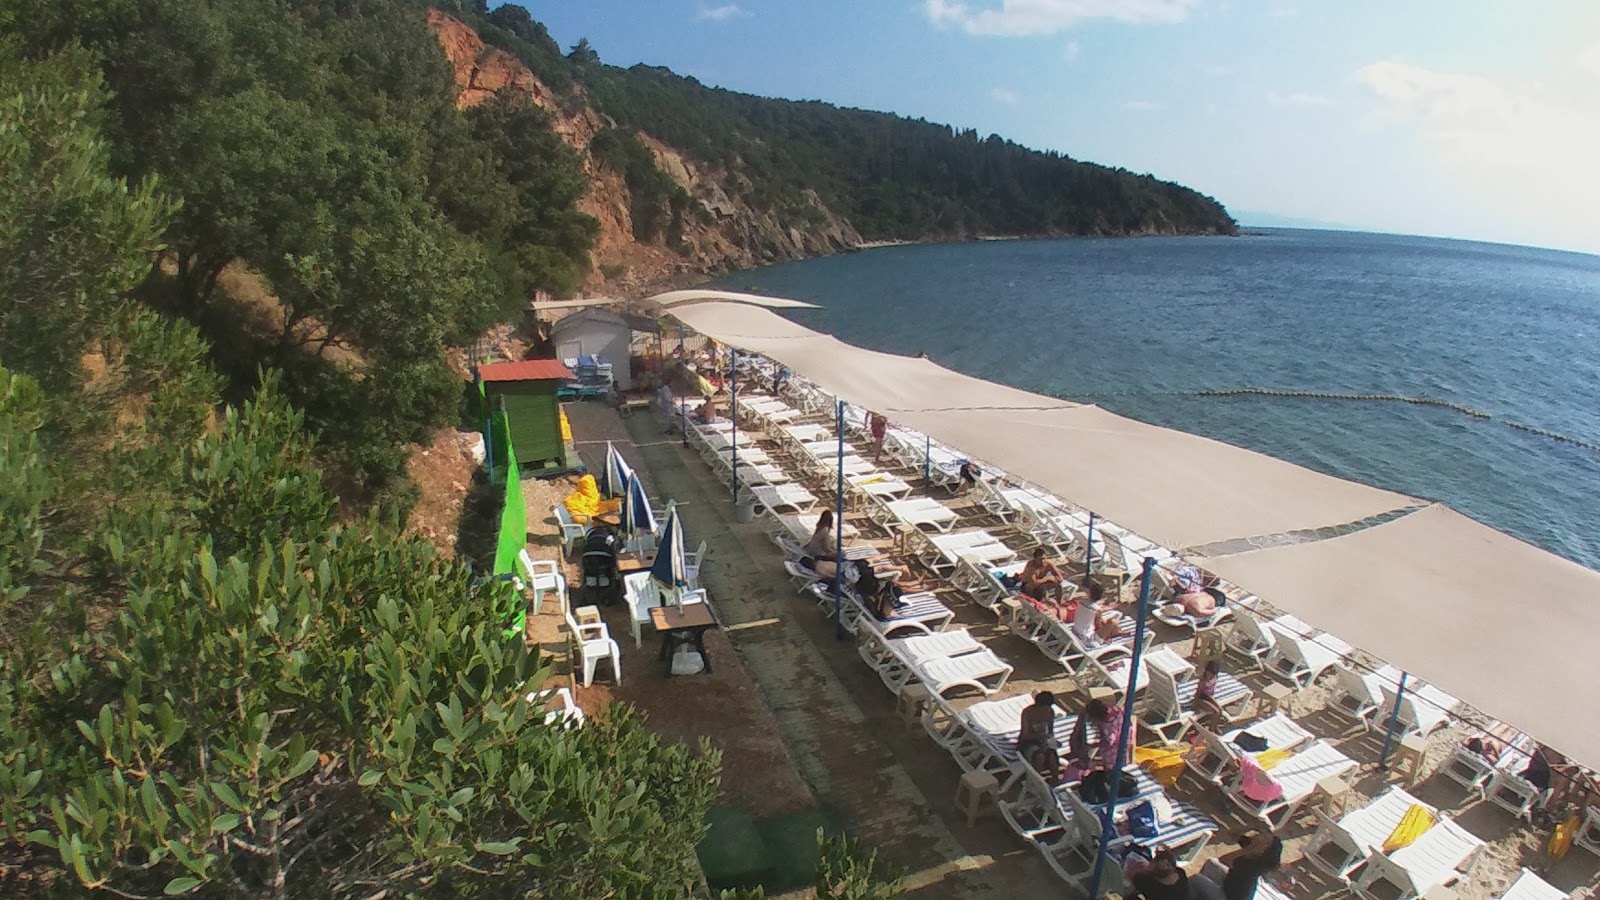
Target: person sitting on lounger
{"type": "Point", "coordinates": [823, 545]}
{"type": "Point", "coordinates": [1041, 578]}
{"type": "Point", "coordinates": [1038, 725]}
{"type": "Point", "coordinates": [707, 412]}
{"type": "Point", "coordinates": [1162, 879]}
{"type": "Point", "coordinates": [1207, 711]}
{"type": "Point", "coordinates": [1096, 621]}
{"type": "Point", "coordinates": [1087, 734]}
{"type": "Point", "coordinates": [1259, 854]}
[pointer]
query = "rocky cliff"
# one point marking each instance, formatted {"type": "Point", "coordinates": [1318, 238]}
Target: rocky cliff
{"type": "Point", "coordinates": [732, 234]}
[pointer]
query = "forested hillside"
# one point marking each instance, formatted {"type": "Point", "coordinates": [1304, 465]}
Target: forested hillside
{"type": "Point", "coordinates": [889, 176]}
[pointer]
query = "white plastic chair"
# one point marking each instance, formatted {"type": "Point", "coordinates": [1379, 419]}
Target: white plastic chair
{"type": "Point", "coordinates": [594, 644]}
{"type": "Point", "coordinates": [543, 575]}
{"type": "Point", "coordinates": [571, 532]}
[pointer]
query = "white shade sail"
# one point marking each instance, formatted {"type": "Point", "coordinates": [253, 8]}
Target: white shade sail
{"type": "Point", "coordinates": [1505, 626]}
{"type": "Point", "coordinates": [1174, 488]}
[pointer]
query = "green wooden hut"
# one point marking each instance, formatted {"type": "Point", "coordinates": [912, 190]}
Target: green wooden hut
{"type": "Point", "coordinates": [526, 390]}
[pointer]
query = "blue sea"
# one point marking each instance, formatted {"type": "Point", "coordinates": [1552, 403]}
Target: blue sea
{"type": "Point", "coordinates": [1138, 325]}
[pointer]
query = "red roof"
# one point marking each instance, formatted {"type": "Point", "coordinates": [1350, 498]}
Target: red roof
{"type": "Point", "coordinates": [527, 370]}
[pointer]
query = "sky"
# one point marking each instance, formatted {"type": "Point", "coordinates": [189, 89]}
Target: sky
{"type": "Point", "coordinates": [1474, 119]}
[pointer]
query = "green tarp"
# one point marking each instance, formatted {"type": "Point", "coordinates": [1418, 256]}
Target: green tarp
{"type": "Point", "coordinates": [513, 516]}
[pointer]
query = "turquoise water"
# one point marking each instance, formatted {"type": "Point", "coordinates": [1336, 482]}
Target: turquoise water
{"type": "Point", "coordinates": [1133, 324]}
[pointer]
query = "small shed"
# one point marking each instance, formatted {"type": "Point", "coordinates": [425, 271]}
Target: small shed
{"type": "Point", "coordinates": [599, 333]}
{"type": "Point", "coordinates": [526, 390]}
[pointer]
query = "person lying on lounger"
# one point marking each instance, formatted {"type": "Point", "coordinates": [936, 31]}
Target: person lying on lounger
{"type": "Point", "coordinates": [1041, 579]}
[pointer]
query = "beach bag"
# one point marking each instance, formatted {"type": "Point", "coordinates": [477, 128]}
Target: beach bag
{"type": "Point", "coordinates": [1096, 787]}
{"type": "Point", "coordinates": [1412, 825]}
{"type": "Point", "coordinates": [1142, 820]}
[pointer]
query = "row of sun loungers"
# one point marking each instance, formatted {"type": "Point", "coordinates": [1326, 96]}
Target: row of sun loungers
{"type": "Point", "coordinates": [1270, 783]}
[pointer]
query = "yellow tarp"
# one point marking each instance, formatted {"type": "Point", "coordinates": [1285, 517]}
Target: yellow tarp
{"type": "Point", "coordinates": [584, 503]}
{"type": "Point", "coordinates": [566, 427]}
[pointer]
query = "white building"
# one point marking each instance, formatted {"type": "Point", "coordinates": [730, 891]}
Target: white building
{"type": "Point", "coordinates": [596, 332]}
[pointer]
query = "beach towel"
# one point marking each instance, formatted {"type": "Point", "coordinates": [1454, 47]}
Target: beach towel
{"type": "Point", "coordinates": [1164, 764]}
{"type": "Point", "coordinates": [1270, 759]}
{"type": "Point", "coordinates": [1413, 824]}
{"type": "Point", "coordinates": [584, 502]}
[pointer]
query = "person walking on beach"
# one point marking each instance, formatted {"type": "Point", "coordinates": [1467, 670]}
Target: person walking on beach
{"type": "Point", "coordinates": [879, 427]}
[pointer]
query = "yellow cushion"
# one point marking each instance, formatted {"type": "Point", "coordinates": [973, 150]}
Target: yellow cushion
{"type": "Point", "coordinates": [1413, 825]}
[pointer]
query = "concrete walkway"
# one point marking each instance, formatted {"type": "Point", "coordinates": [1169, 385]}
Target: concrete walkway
{"type": "Point", "coordinates": [892, 787]}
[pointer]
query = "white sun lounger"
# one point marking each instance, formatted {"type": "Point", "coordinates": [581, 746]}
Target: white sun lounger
{"type": "Point", "coordinates": [1473, 771]}
{"type": "Point", "coordinates": [826, 449]}
{"type": "Point", "coordinates": [1339, 848]}
{"type": "Point", "coordinates": [881, 485]}
{"type": "Point", "coordinates": [1588, 836]}
{"type": "Point", "coordinates": [809, 434]}
{"type": "Point", "coordinates": [922, 512]}
{"type": "Point", "coordinates": [1299, 658]}
{"type": "Point", "coordinates": [944, 553]}
{"type": "Point", "coordinates": [1297, 776]}
{"type": "Point", "coordinates": [802, 526]}
{"type": "Point", "coordinates": [1360, 694]}
{"type": "Point", "coordinates": [982, 671]}
{"type": "Point", "coordinates": [1424, 709]}
{"type": "Point", "coordinates": [1217, 756]}
{"type": "Point", "coordinates": [1168, 710]}
{"type": "Point", "coordinates": [1433, 860]}
{"type": "Point", "coordinates": [1529, 886]}
{"type": "Point", "coordinates": [983, 737]}
{"type": "Point", "coordinates": [747, 455]}
{"type": "Point", "coordinates": [896, 660]}
{"type": "Point", "coordinates": [775, 497]}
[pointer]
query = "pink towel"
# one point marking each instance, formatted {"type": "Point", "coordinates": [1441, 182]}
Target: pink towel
{"type": "Point", "coordinates": [1256, 783]}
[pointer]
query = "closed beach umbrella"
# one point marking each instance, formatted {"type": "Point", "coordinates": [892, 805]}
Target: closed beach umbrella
{"type": "Point", "coordinates": [637, 516]}
{"type": "Point", "coordinates": [670, 566]}
{"type": "Point", "coordinates": [614, 474]}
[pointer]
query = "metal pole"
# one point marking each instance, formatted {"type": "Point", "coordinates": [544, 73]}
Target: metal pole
{"type": "Point", "coordinates": [733, 381]}
{"type": "Point", "coordinates": [927, 459]}
{"type": "Point", "coordinates": [1108, 829]}
{"type": "Point", "coordinates": [1088, 550]}
{"type": "Point", "coordinates": [838, 531]}
{"type": "Point", "coordinates": [1394, 722]}
{"type": "Point", "coordinates": [683, 403]}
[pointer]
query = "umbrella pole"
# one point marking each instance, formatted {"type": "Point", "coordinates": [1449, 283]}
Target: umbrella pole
{"type": "Point", "coordinates": [1107, 830]}
{"type": "Point", "coordinates": [1394, 723]}
{"type": "Point", "coordinates": [838, 531]}
{"type": "Point", "coordinates": [733, 383]}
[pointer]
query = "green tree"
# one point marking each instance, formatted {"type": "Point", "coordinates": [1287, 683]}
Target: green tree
{"type": "Point", "coordinates": [73, 238]}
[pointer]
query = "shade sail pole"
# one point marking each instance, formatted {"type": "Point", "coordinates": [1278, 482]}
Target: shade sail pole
{"type": "Point", "coordinates": [927, 460]}
{"type": "Point", "coordinates": [683, 406]}
{"type": "Point", "coordinates": [1088, 549]}
{"type": "Point", "coordinates": [1394, 722]}
{"type": "Point", "coordinates": [1107, 819]}
{"type": "Point", "coordinates": [838, 531]}
{"type": "Point", "coordinates": [733, 381]}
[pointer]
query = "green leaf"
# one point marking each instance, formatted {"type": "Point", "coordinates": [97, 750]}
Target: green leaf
{"type": "Point", "coordinates": [370, 777]}
{"type": "Point", "coordinates": [227, 796]}
{"type": "Point", "coordinates": [225, 823]}
{"type": "Point", "coordinates": [181, 885]}
{"type": "Point", "coordinates": [499, 848]}
{"type": "Point", "coordinates": [303, 764]}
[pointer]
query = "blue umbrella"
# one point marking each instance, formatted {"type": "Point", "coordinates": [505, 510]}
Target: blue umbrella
{"type": "Point", "coordinates": [637, 516]}
{"type": "Point", "coordinates": [615, 474]}
{"type": "Point", "coordinates": [670, 566]}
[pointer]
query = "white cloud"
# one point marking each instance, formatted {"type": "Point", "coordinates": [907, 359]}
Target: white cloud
{"type": "Point", "coordinates": [1070, 51]}
{"type": "Point", "coordinates": [724, 13]}
{"type": "Point", "coordinates": [1589, 60]}
{"type": "Point", "coordinates": [1003, 95]}
{"type": "Point", "coordinates": [1142, 106]}
{"type": "Point", "coordinates": [1029, 17]}
{"type": "Point", "coordinates": [1522, 148]}
{"type": "Point", "coordinates": [1298, 98]}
